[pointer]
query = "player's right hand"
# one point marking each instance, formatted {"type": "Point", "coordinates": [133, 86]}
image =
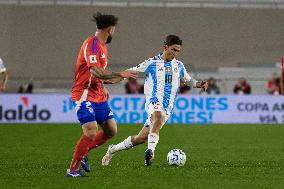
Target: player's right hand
{"type": "Point", "coordinates": [129, 74]}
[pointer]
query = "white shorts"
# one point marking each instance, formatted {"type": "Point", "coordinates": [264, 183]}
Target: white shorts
{"type": "Point", "coordinates": [156, 107]}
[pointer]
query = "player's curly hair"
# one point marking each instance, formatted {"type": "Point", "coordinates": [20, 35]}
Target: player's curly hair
{"type": "Point", "coordinates": [172, 40]}
{"type": "Point", "coordinates": [104, 20]}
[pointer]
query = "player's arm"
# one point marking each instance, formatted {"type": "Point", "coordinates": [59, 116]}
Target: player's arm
{"type": "Point", "coordinates": [196, 84]}
{"type": "Point", "coordinates": [101, 73]}
{"type": "Point", "coordinates": [188, 80]}
{"type": "Point", "coordinates": [113, 81]}
{"type": "Point", "coordinates": [142, 67]}
{"type": "Point", "coordinates": [92, 57]}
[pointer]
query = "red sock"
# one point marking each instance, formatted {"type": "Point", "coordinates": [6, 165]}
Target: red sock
{"type": "Point", "coordinates": [100, 139]}
{"type": "Point", "coordinates": [81, 149]}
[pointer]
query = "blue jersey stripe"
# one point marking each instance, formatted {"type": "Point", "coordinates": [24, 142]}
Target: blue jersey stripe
{"type": "Point", "coordinates": [180, 67]}
{"type": "Point", "coordinates": [155, 84]}
{"type": "Point", "coordinates": [168, 84]}
{"type": "Point", "coordinates": [95, 46]}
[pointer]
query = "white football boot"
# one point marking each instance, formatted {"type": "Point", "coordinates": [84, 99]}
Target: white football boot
{"type": "Point", "coordinates": [107, 158]}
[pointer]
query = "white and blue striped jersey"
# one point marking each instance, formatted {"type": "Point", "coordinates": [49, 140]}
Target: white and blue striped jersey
{"type": "Point", "coordinates": [163, 80]}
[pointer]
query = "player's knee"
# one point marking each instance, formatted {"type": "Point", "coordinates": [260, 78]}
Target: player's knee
{"type": "Point", "coordinates": [158, 122]}
{"type": "Point", "coordinates": [91, 135]}
{"type": "Point", "coordinates": [90, 130]}
{"type": "Point", "coordinates": [157, 119]}
{"type": "Point", "coordinates": [111, 133]}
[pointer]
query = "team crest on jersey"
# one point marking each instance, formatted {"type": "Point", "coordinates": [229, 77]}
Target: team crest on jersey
{"type": "Point", "coordinates": [93, 59]}
{"type": "Point", "coordinates": [168, 68]}
{"type": "Point", "coordinates": [176, 70]}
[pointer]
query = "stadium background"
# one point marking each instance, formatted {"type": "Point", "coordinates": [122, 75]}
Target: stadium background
{"type": "Point", "coordinates": [217, 41]}
{"type": "Point", "coordinates": [228, 39]}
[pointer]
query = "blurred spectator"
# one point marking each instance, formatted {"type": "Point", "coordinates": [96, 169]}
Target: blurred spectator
{"type": "Point", "coordinates": [21, 89]}
{"type": "Point", "coordinates": [132, 86]}
{"type": "Point", "coordinates": [30, 87]}
{"type": "Point", "coordinates": [4, 74]}
{"type": "Point", "coordinates": [27, 88]}
{"type": "Point", "coordinates": [212, 87]}
{"type": "Point", "coordinates": [273, 85]}
{"type": "Point", "coordinates": [184, 89]}
{"type": "Point", "coordinates": [242, 87]}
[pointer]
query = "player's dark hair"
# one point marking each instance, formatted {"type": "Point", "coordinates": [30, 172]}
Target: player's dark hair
{"type": "Point", "coordinates": [104, 20]}
{"type": "Point", "coordinates": [172, 40]}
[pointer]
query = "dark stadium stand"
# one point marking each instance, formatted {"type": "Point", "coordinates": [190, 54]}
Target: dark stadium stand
{"type": "Point", "coordinates": [42, 42]}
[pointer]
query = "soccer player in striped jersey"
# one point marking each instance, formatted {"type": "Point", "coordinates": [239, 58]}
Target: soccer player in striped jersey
{"type": "Point", "coordinates": [163, 75]}
{"type": "Point", "coordinates": [89, 94]}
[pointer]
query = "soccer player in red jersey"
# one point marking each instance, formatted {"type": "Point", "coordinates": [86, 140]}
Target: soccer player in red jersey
{"type": "Point", "coordinates": [90, 96]}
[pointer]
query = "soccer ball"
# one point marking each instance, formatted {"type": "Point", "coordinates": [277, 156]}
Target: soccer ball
{"type": "Point", "coordinates": [176, 157]}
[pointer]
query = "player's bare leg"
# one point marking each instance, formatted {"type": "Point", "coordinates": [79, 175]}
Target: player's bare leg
{"type": "Point", "coordinates": [82, 147]}
{"type": "Point", "coordinates": [153, 137]}
{"type": "Point", "coordinates": [109, 129]}
{"type": "Point", "coordinates": [141, 137]}
{"type": "Point", "coordinates": [126, 144]}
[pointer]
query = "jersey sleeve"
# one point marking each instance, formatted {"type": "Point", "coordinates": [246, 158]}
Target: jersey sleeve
{"type": "Point", "coordinates": [185, 76]}
{"type": "Point", "coordinates": [142, 67]}
{"type": "Point", "coordinates": [92, 53]}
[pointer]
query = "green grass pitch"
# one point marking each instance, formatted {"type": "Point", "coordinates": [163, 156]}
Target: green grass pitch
{"type": "Point", "coordinates": [218, 156]}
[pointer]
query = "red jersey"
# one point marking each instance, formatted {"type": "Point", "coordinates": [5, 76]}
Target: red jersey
{"type": "Point", "coordinates": [92, 53]}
